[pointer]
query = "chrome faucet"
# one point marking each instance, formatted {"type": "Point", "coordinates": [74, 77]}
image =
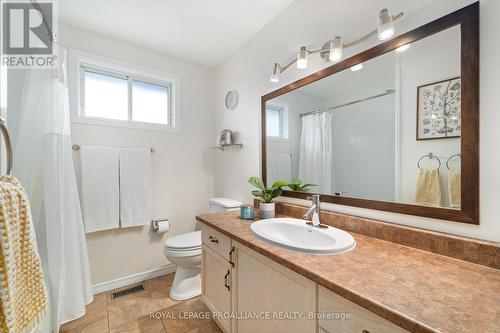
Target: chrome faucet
{"type": "Point", "coordinates": [314, 211]}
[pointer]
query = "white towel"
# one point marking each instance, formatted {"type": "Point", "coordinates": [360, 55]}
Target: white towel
{"type": "Point", "coordinates": [100, 188]}
{"type": "Point", "coordinates": [135, 187]}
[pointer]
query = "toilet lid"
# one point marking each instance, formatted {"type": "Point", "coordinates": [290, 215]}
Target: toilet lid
{"type": "Point", "coordinates": [188, 240]}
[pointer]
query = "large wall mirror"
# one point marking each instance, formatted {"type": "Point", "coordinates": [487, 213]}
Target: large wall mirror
{"type": "Point", "coordinates": [394, 128]}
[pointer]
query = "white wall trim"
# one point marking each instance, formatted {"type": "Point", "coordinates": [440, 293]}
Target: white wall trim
{"type": "Point", "coordinates": [134, 278]}
{"type": "Point", "coordinates": [77, 58]}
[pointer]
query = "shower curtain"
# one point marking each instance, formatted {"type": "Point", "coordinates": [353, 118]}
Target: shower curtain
{"type": "Point", "coordinates": [43, 164]}
{"type": "Point", "coordinates": [315, 159]}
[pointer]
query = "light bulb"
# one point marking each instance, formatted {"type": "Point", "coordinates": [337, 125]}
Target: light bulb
{"type": "Point", "coordinates": [275, 77]}
{"type": "Point", "coordinates": [402, 48]}
{"type": "Point", "coordinates": [302, 58]}
{"type": "Point", "coordinates": [336, 46]}
{"type": "Point", "coordinates": [385, 27]}
{"type": "Point", "coordinates": [357, 67]}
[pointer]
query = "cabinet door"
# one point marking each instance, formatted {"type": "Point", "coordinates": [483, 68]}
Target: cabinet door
{"type": "Point", "coordinates": [264, 288]}
{"type": "Point", "coordinates": [360, 319]}
{"type": "Point", "coordinates": [216, 286]}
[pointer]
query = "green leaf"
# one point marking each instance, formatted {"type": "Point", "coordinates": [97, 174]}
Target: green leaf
{"type": "Point", "coordinates": [276, 192]}
{"type": "Point", "coordinates": [298, 185]}
{"type": "Point", "coordinates": [268, 198]}
{"type": "Point", "coordinates": [279, 184]}
{"type": "Point", "coordinates": [257, 194]}
{"type": "Point", "coordinates": [256, 182]}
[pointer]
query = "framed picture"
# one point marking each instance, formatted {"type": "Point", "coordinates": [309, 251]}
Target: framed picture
{"type": "Point", "coordinates": [439, 110]}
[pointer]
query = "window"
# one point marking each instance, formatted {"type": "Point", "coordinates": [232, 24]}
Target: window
{"type": "Point", "coordinates": [277, 121]}
{"type": "Point", "coordinates": [150, 102]}
{"type": "Point", "coordinates": [112, 94]}
{"type": "Point", "coordinates": [106, 96]}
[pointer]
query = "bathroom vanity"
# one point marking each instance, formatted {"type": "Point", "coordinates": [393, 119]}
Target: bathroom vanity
{"type": "Point", "coordinates": [397, 278]}
{"type": "Point", "coordinates": [378, 287]}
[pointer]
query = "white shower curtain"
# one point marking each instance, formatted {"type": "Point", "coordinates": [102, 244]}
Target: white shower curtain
{"type": "Point", "coordinates": [43, 163]}
{"type": "Point", "coordinates": [315, 161]}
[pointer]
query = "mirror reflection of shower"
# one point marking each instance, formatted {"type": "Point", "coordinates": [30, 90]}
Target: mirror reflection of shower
{"type": "Point", "coordinates": [361, 132]}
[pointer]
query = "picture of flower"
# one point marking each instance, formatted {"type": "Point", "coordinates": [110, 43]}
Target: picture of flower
{"type": "Point", "coordinates": [439, 110]}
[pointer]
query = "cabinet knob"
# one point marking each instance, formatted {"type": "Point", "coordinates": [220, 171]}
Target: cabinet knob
{"type": "Point", "coordinates": [213, 239]}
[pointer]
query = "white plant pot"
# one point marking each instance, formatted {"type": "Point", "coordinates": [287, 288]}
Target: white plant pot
{"type": "Point", "coordinates": [267, 210]}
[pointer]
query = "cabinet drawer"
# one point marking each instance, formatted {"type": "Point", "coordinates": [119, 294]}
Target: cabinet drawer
{"type": "Point", "coordinates": [216, 241]}
{"type": "Point", "coordinates": [359, 320]}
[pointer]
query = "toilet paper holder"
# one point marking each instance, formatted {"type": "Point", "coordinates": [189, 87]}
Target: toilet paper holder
{"type": "Point", "coordinates": [154, 223]}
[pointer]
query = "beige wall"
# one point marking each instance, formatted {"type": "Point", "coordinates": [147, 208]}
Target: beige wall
{"type": "Point", "coordinates": [181, 166]}
{"type": "Point", "coordinates": [249, 69]}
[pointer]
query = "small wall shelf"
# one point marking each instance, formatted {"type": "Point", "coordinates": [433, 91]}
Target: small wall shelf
{"type": "Point", "coordinates": [222, 147]}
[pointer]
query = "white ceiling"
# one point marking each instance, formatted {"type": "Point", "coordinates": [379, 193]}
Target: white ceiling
{"type": "Point", "coordinates": [202, 31]}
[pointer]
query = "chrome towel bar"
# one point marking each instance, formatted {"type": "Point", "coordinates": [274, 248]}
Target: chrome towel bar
{"type": "Point", "coordinates": [77, 147]}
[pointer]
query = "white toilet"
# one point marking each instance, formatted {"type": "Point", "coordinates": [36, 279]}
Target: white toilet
{"type": "Point", "coordinates": [184, 251]}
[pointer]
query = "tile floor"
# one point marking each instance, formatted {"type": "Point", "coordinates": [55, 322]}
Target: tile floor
{"type": "Point", "coordinates": [132, 313]}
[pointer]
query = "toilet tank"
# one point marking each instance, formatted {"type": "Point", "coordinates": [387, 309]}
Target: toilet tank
{"type": "Point", "coordinates": [222, 204]}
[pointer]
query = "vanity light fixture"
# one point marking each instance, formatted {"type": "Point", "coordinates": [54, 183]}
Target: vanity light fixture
{"type": "Point", "coordinates": [385, 28]}
{"type": "Point", "coordinates": [357, 67]}
{"type": "Point", "coordinates": [336, 46]}
{"type": "Point", "coordinates": [332, 50]}
{"type": "Point", "coordinates": [302, 58]}
{"type": "Point", "coordinates": [276, 72]}
{"type": "Point", "coordinates": [402, 48]}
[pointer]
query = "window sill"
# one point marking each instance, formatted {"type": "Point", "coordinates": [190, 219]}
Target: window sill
{"type": "Point", "coordinates": [124, 124]}
{"type": "Point", "coordinates": [277, 139]}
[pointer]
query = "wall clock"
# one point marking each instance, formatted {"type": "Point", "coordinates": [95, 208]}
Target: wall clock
{"type": "Point", "coordinates": [231, 100]}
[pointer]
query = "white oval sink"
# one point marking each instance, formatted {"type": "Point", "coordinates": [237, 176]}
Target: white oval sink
{"type": "Point", "coordinates": [295, 234]}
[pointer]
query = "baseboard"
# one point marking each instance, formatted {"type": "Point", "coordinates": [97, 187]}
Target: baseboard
{"type": "Point", "coordinates": [121, 282]}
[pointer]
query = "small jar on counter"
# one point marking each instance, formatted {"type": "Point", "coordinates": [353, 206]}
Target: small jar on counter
{"type": "Point", "coordinates": [247, 212]}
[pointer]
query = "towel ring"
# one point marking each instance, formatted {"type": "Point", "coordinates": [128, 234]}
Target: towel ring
{"type": "Point", "coordinates": [450, 158]}
{"type": "Point", "coordinates": [429, 156]}
{"type": "Point", "coordinates": [8, 145]}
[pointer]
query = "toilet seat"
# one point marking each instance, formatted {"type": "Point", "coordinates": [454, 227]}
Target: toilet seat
{"type": "Point", "coordinates": [182, 253]}
{"type": "Point", "coordinates": [184, 245]}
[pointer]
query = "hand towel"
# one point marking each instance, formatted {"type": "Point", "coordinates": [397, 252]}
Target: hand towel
{"type": "Point", "coordinates": [100, 188]}
{"type": "Point", "coordinates": [135, 187]}
{"type": "Point", "coordinates": [428, 187]}
{"type": "Point", "coordinates": [23, 298]}
{"type": "Point", "coordinates": [454, 187]}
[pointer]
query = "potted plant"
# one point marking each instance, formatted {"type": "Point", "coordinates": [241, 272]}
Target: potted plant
{"type": "Point", "coordinates": [298, 185]}
{"type": "Point", "coordinates": [267, 194]}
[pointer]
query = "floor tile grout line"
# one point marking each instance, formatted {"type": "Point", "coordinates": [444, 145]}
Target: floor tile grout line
{"type": "Point", "coordinates": [107, 312]}
{"type": "Point", "coordinates": [164, 327]}
{"type": "Point", "coordinates": [151, 286]}
{"type": "Point", "coordinates": [146, 285]}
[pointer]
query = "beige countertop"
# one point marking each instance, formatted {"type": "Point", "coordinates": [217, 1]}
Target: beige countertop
{"type": "Point", "coordinates": [417, 290]}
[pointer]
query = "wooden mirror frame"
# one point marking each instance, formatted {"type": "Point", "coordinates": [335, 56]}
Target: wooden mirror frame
{"type": "Point", "coordinates": [468, 19]}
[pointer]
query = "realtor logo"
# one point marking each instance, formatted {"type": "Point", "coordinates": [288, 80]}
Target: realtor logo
{"type": "Point", "coordinates": [27, 34]}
